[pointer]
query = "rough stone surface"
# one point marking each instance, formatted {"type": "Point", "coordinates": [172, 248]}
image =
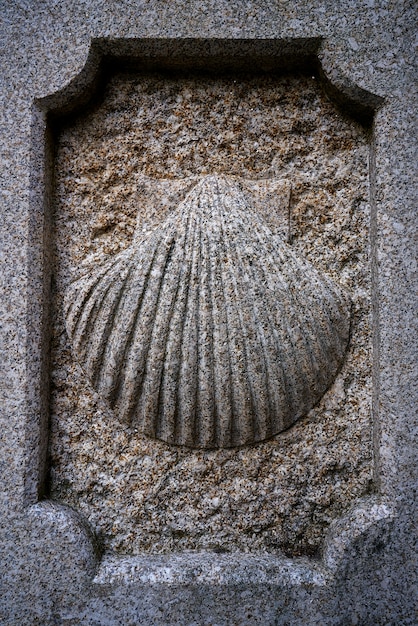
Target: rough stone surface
{"type": "Point", "coordinates": [140, 495]}
{"type": "Point", "coordinates": [51, 571]}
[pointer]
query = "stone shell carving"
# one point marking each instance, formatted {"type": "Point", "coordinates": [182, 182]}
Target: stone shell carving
{"type": "Point", "coordinates": [209, 332]}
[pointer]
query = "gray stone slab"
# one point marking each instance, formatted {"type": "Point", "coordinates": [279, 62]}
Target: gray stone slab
{"type": "Point", "coordinates": [52, 567]}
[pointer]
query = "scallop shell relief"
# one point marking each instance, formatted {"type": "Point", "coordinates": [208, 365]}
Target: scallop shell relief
{"type": "Point", "coordinates": [209, 332]}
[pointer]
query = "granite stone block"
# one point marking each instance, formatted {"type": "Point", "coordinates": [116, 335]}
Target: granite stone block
{"type": "Point", "coordinates": [111, 113]}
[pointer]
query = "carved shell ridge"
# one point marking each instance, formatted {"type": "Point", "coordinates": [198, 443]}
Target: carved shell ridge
{"type": "Point", "coordinates": [210, 332]}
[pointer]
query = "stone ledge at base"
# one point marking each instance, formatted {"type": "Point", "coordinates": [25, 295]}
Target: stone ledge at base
{"type": "Point", "coordinates": [161, 589]}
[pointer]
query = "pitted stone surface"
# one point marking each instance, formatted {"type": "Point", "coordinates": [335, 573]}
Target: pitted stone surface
{"type": "Point", "coordinates": [113, 180]}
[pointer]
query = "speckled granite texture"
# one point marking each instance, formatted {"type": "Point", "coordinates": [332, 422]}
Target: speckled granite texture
{"type": "Point", "coordinates": [53, 569]}
{"type": "Point", "coordinates": [142, 495]}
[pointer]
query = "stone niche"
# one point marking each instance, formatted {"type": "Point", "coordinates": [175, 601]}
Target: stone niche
{"type": "Point", "coordinates": [123, 166]}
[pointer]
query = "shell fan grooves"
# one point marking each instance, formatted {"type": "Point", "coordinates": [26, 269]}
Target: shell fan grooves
{"type": "Point", "coordinates": [210, 332]}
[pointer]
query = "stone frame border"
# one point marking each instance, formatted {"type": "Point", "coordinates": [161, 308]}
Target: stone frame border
{"type": "Point", "coordinates": [217, 55]}
{"type": "Point", "coordinates": [353, 539]}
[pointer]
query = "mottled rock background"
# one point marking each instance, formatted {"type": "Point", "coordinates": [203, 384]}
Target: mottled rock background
{"type": "Point", "coordinates": [145, 496]}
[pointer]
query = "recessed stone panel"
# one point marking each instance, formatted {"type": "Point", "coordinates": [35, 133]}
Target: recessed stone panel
{"type": "Point", "coordinates": [122, 169]}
